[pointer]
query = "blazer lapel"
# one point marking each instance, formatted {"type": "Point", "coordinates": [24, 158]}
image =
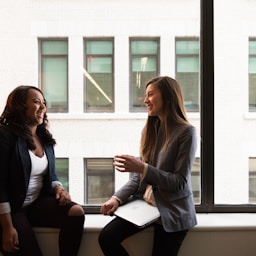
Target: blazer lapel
{"type": "Point", "coordinates": [25, 159]}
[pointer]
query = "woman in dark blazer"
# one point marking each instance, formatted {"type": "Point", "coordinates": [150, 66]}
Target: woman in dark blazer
{"type": "Point", "coordinates": [30, 192]}
{"type": "Point", "coordinates": [162, 177]}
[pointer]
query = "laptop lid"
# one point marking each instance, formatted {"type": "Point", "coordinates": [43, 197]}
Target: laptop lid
{"type": "Point", "coordinates": [138, 212]}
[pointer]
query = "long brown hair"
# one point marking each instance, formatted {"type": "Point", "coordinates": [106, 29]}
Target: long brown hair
{"type": "Point", "coordinates": [14, 118]}
{"type": "Point", "coordinates": [173, 113]}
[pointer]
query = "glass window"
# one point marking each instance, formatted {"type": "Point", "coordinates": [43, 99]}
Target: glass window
{"type": "Point", "coordinates": [62, 167]}
{"type": "Point", "coordinates": [144, 64]}
{"type": "Point", "coordinates": [187, 70]}
{"type": "Point", "coordinates": [234, 129]}
{"type": "Point", "coordinates": [252, 180]}
{"type": "Point", "coordinates": [54, 73]}
{"type": "Point", "coordinates": [98, 73]}
{"type": "Point", "coordinates": [196, 180]}
{"type": "Point", "coordinates": [100, 184]}
{"type": "Point", "coordinates": [252, 74]}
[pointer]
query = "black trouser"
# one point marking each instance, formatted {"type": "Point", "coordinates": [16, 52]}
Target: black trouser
{"type": "Point", "coordinates": [112, 235]}
{"type": "Point", "coordinates": [46, 212]}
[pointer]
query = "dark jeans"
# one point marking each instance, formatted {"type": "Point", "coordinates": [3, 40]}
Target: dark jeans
{"type": "Point", "coordinates": [46, 212]}
{"type": "Point", "coordinates": [165, 243]}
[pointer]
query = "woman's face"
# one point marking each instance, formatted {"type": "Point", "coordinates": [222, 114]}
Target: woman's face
{"type": "Point", "coordinates": [154, 101]}
{"type": "Point", "coordinates": [36, 107]}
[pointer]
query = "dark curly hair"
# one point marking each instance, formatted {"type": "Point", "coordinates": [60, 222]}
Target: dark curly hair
{"type": "Point", "coordinates": [14, 118]}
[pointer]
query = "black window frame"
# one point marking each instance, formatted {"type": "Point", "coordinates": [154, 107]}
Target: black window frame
{"type": "Point", "coordinates": [207, 119]}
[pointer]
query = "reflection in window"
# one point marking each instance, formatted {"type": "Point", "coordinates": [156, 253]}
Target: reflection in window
{"type": "Point", "coordinates": [144, 65]}
{"type": "Point", "coordinates": [99, 175]}
{"type": "Point", "coordinates": [252, 74]}
{"type": "Point", "coordinates": [98, 72]}
{"type": "Point", "coordinates": [54, 73]}
{"type": "Point", "coordinates": [62, 166]}
{"type": "Point", "coordinates": [187, 70]}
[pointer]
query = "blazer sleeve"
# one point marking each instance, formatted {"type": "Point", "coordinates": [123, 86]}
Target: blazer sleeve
{"type": "Point", "coordinates": [52, 174]}
{"type": "Point", "coordinates": [129, 189]}
{"type": "Point", "coordinates": [7, 143]}
{"type": "Point", "coordinates": [172, 172]}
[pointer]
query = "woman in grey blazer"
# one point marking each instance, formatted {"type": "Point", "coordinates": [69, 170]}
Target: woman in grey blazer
{"type": "Point", "coordinates": [162, 176]}
{"type": "Point", "coordinates": [30, 192]}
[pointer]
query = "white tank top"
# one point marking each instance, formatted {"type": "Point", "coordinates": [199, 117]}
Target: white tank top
{"type": "Point", "coordinates": [38, 169]}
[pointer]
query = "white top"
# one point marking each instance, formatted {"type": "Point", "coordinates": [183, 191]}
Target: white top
{"type": "Point", "coordinates": [38, 169]}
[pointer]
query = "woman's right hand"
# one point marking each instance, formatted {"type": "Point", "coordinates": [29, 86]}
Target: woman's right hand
{"type": "Point", "coordinates": [109, 206]}
{"type": "Point", "coordinates": [10, 241]}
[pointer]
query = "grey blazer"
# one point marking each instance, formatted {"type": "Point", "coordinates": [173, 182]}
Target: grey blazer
{"type": "Point", "coordinates": [170, 177]}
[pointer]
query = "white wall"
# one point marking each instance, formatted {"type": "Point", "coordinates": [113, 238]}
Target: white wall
{"type": "Point", "coordinates": [81, 134]}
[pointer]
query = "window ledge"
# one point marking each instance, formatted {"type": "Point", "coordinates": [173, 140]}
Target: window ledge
{"type": "Point", "coordinates": [206, 222]}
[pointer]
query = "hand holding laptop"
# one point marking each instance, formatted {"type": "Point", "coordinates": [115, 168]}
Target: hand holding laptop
{"type": "Point", "coordinates": [109, 206]}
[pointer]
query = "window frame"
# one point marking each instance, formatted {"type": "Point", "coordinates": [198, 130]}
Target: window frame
{"type": "Point", "coordinates": [179, 56]}
{"type": "Point", "coordinates": [95, 109]}
{"type": "Point", "coordinates": [88, 173]}
{"type": "Point", "coordinates": [133, 109]}
{"type": "Point", "coordinates": [207, 119]}
{"type": "Point", "coordinates": [250, 55]}
{"type": "Point", "coordinates": [40, 81]}
{"type": "Point", "coordinates": [64, 175]}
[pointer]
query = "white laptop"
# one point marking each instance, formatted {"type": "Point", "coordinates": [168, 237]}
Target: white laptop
{"type": "Point", "coordinates": [138, 212]}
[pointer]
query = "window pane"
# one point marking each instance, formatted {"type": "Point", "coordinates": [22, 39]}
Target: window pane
{"type": "Point", "coordinates": [252, 180]}
{"type": "Point", "coordinates": [62, 166]}
{"type": "Point", "coordinates": [252, 74]}
{"type": "Point", "coordinates": [54, 77]}
{"type": "Point", "coordinates": [54, 47]}
{"type": "Point", "coordinates": [196, 180]}
{"type": "Point", "coordinates": [187, 47]}
{"type": "Point", "coordinates": [252, 46]}
{"type": "Point", "coordinates": [54, 74]}
{"type": "Point", "coordinates": [99, 76]}
{"type": "Point", "coordinates": [188, 65]}
{"type": "Point", "coordinates": [99, 47]}
{"type": "Point", "coordinates": [100, 180]}
{"type": "Point", "coordinates": [234, 127]}
{"type": "Point", "coordinates": [144, 47]}
{"type": "Point", "coordinates": [99, 65]}
{"type": "Point", "coordinates": [187, 71]}
{"type": "Point", "coordinates": [144, 66]}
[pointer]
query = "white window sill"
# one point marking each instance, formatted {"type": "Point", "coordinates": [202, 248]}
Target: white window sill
{"type": "Point", "coordinates": [211, 221]}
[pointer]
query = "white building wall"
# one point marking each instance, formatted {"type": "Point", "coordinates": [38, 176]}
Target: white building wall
{"type": "Point", "coordinates": [81, 135]}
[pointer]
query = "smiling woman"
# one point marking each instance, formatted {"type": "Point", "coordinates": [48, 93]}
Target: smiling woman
{"type": "Point", "coordinates": [167, 151]}
{"type": "Point", "coordinates": [30, 191]}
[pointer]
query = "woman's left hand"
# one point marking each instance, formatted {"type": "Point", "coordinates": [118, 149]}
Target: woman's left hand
{"type": "Point", "coordinates": [63, 196]}
{"type": "Point", "coordinates": [127, 163]}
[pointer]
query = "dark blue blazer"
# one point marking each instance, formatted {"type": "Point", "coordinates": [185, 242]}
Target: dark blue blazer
{"type": "Point", "coordinates": [15, 169]}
